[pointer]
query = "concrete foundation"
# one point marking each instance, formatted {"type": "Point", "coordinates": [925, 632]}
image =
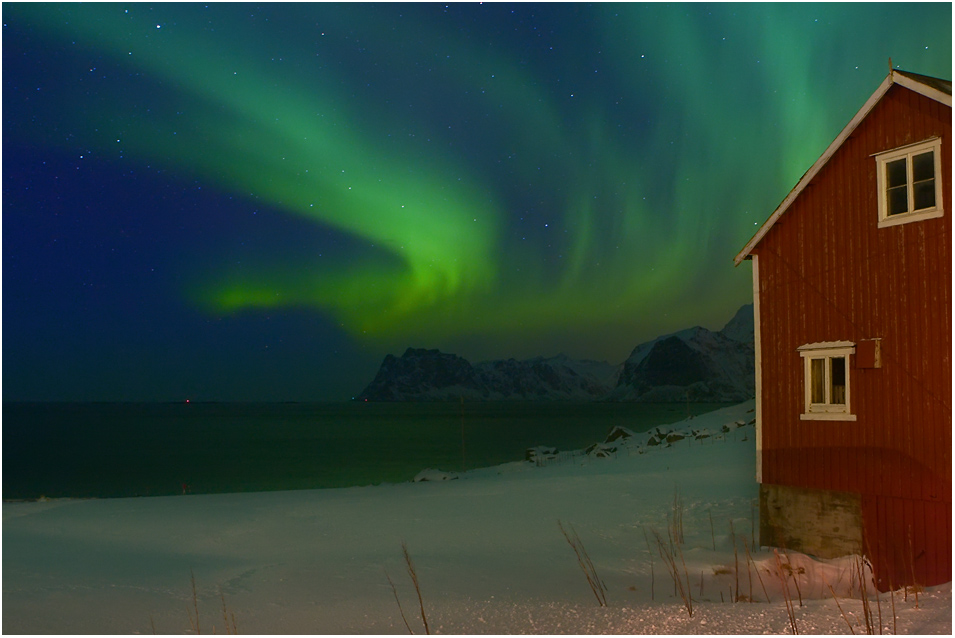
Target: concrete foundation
{"type": "Point", "coordinates": [820, 523]}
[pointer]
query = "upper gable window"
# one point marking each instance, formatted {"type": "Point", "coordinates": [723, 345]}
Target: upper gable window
{"type": "Point", "coordinates": [910, 183]}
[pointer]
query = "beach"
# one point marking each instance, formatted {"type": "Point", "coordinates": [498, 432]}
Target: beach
{"type": "Point", "coordinates": [487, 550]}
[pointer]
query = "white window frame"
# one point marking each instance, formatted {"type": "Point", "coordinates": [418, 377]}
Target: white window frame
{"type": "Point", "coordinates": [826, 411]}
{"type": "Point", "coordinates": [882, 159]}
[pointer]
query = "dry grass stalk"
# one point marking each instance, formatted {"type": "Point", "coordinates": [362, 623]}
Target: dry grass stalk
{"type": "Point", "coordinates": [672, 547]}
{"type": "Point", "coordinates": [895, 627]}
{"type": "Point", "coordinates": [870, 617]}
{"type": "Point", "coordinates": [795, 575]}
{"type": "Point", "coordinates": [841, 611]}
{"type": "Point", "coordinates": [676, 523]}
{"type": "Point", "coordinates": [689, 596]}
{"type": "Point", "coordinates": [735, 565]}
{"type": "Point", "coordinates": [911, 561]}
{"type": "Point", "coordinates": [864, 596]}
{"type": "Point", "coordinates": [586, 565]}
{"type": "Point", "coordinates": [905, 589]}
{"type": "Point", "coordinates": [752, 523]}
{"type": "Point", "coordinates": [414, 581]}
{"type": "Point", "coordinates": [225, 618]}
{"type": "Point", "coordinates": [195, 606]}
{"type": "Point", "coordinates": [669, 556]}
{"type": "Point", "coordinates": [712, 532]}
{"type": "Point", "coordinates": [878, 604]}
{"type": "Point", "coordinates": [230, 627]}
{"type": "Point", "coordinates": [650, 552]}
{"type": "Point", "coordinates": [878, 598]}
{"type": "Point", "coordinates": [394, 590]}
{"type": "Point", "coordinates": [787, 597]}
{"type": "Point", "coordinates": [749, 573]}
{"type": "Point", "coordinates": [761, 584]}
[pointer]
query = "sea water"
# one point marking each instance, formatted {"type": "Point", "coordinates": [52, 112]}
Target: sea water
{"type": "Point", "coordinates": [104, 450]}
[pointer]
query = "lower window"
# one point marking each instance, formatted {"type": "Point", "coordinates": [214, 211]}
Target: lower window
{"type": "Point", "coordinates": [827, 380]}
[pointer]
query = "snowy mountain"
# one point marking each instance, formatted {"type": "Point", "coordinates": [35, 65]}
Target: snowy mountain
{"type": "Point", "coordinates": [695, 363]}
{"type": "Point", "coordinates": [423, 375]}
{"type": "Point", "coordinates": [558, 377]}
{"type": "Point", "coordinates": [740, 327]}
{"type": "Point", "coordinates": [430, 375]}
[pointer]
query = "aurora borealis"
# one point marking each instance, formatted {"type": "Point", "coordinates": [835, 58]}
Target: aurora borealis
{"type": "Point", "coordinates": [234, 201]}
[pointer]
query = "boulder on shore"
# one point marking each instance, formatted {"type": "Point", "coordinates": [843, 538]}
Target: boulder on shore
{"type": "Point", "coordinates": [433, 475]}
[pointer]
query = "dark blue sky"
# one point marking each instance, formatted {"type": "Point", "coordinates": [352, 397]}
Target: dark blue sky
{"type": "Point", "coordinates": [243, 202]}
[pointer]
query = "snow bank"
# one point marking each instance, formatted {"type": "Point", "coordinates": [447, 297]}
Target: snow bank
{"type": "Point", "coordinates": [487, 550]}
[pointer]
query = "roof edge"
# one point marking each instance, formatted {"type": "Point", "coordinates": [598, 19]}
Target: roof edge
{"type": "Point", "coordinates": [894, 77]}
{"type": "Point", "coordinates": [934, 88]}
{"type": "Point", "coordinates": [924, 89]}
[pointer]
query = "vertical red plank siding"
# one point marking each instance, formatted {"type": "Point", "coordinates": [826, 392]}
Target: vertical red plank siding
{"type": "Point", "coordinates": [828, 273]}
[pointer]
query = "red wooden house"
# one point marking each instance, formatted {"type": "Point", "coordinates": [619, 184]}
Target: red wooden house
{"type": "Point", "coordinates": [852, 287]}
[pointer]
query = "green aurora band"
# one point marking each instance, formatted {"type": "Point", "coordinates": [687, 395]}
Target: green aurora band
{"type": "Point", "coordinates": [511, 189]}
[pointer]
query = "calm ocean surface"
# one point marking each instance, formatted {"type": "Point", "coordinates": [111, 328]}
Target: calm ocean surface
{"type": "Point", "coordinates": [150, 449]}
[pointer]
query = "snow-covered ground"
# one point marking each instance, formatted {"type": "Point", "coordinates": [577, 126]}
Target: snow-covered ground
{"type": "Point", "coordinates": [488, 552]}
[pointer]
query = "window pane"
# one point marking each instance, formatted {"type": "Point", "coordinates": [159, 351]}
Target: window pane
{"type": "Point", "coordinates": [897, 200]}
{"type": "Point", "coordinates": [817, 373]}
{"type": "Point", "coordinates": [924, 194]}
{"type": "Point", "coordinates": [838, 377]}
{"type": "Point", "coordinates": [923, 166]}
{"type": "Point", "coordinates": [895, 173]}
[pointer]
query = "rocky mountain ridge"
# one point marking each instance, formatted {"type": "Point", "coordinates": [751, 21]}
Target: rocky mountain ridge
{"type": "Point", "coordinates": [694, 364]}
{"type": "Point", "coordinates": [431, 375]}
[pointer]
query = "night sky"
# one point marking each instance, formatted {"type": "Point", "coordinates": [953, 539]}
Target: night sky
{"type": "Point", "coordinates": [244, 202]}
